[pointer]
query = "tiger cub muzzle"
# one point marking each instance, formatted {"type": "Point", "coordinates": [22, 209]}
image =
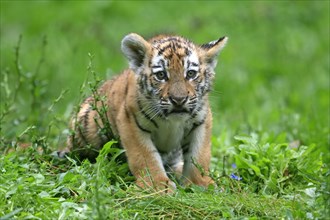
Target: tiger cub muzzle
{"type": "Point", "coordinates": [179, 105]}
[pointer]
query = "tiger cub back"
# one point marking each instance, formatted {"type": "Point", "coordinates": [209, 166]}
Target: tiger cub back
{"type": "Point", "coordinates": [158, 108]}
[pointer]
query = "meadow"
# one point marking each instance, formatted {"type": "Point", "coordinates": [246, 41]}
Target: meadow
{"type": "Point", "coordinates": [270, 103]}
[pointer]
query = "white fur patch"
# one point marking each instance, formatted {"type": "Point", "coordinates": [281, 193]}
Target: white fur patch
{"type": "Point", "coordinates": [191, 62]}
{"type": "Point", "coordinates": [170, 132]}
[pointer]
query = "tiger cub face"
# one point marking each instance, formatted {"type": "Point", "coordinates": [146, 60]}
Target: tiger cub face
{"type": "Point", "coordinates": [174, 75]}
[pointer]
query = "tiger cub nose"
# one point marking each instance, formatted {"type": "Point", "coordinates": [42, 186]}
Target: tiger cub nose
{"type": "Point", "coordinates": [178, 100]}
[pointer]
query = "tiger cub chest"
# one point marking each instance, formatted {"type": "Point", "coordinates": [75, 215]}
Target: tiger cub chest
{"type": "Point", "coordinates": [171, 133]}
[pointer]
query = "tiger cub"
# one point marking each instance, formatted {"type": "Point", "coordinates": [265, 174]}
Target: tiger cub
{"type": "Point", "coordinates": [158, 108]}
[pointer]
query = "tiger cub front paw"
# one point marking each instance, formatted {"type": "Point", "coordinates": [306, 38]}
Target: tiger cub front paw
{"type": "Point", "coordinates": [203, 181]}
{"type": "Point", "coordinates": [162, 185]}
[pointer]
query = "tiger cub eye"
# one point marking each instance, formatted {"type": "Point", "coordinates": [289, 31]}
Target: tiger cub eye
{"type": "Point", "coordinates": [161, 75]}
{"type": "Point", "coordinates": [191, 74]}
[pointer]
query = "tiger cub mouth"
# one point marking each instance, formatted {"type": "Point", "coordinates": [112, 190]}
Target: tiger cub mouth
{"type": "Point", "coordinates": [177, 111]}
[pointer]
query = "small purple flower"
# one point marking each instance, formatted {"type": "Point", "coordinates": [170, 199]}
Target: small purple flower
{"type": "Point", "coordinates": [234, 166]}
{"type": "Point", "coordinates": [233, 176]}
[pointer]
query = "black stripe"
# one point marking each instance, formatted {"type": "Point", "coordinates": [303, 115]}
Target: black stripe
{"type": "Point", "coordinates": [141, 83]}
{"type": "Point", "coordinates": [211, 44]}
{"type": "Point", "coordinates": [81, 135]}
{"type": "Point", "coordinates": [162, 62]}
{"type": "Point", "coordinates": [169, 56]}
{"type": "Point", "coordinates": [161, 50]}
{"type": "Point", "coordinates": [126, 88]}
{"type": "Point", "coordinates": [126, 111]}
{"type": "Point", "coordinates": [194, 64]}
{"type": "Point", "coordinates": [187, 51]}
{"type": "Point", "coordinates": [145, 114]}
{"type": "Point", "coordinates": [197, 111]}
{"type": "Point", "coordinates": [139, 126]}
{"type": "Point", "coordinates": [86, 117]}
{"type": "Point", "coordinates": [174, 45]}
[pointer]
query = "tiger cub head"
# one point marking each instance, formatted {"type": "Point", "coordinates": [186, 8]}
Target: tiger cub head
{"type": "Point", "coordinates": [174, 75]}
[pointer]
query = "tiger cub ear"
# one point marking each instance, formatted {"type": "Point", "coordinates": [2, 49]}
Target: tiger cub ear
{"type": "Point", "coordinates": [211, 50]}
{"type": "Point", "coordinates": [135, 49]}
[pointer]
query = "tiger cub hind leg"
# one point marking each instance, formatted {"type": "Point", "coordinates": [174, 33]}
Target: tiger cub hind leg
{"type": "Point", "coordinates": [92, 126]}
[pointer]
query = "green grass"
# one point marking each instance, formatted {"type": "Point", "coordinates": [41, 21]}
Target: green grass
{"type": "Point", "coordinates": [270, 105]}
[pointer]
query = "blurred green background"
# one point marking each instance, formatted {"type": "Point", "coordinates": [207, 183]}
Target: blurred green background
{"type": "Point", "coordinates": [272, 77]}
